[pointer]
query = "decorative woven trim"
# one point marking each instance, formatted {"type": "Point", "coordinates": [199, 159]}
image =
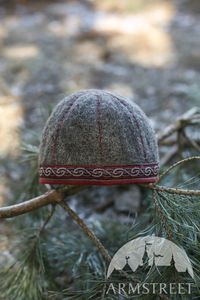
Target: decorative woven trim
{"type": "Point", "coordinates": [98, 175]}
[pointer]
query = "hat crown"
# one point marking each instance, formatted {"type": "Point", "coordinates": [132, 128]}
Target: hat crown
{"type": "Point", "coordinates": [94, 136]}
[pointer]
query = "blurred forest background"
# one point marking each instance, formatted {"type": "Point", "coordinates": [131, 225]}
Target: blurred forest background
{"type": "Point", "coordinates": [148, 51]}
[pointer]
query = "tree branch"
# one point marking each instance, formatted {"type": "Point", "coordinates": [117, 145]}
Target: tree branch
{"type": "Point", "coordinates": [173, 190]}
{"type": "Point", "coordinates": [51, 197]}
{"type": "Point", "coordinates": [185, 160]}
{"type": "Point", "coordinates": [54, 196]}
{"type": "Point", "coordinates": [86, 230]}
{"type": "Point", "coordinates": [191, 117]}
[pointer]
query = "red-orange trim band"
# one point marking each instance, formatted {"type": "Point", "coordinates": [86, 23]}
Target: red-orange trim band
{"type": "Point", "coordinates": [98, 175]}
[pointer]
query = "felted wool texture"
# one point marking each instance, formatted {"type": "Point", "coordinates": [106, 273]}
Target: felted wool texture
{"type": "Point", "coordinates": [95, 127]}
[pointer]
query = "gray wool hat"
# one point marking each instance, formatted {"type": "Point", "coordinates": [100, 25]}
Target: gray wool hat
{"type": "Point", "coordinates": [95, 137]}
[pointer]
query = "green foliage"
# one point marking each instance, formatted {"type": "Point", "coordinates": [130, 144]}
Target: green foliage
{"type": "Point", "coordinates": [57, 261]}
{"type": "Point", "coordinates": [24, 279]}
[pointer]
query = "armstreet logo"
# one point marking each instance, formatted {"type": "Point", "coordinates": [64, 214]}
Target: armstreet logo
{"type": "Point", "coordinates": [147, 252]}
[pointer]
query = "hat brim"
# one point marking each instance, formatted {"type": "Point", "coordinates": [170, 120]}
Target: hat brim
{"type": "Point", "coordinates": [99, 175]}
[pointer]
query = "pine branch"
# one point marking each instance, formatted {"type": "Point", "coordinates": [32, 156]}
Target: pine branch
{"type": "Point", "coordinates": [86, 230]}
{"type": "Point", "coordinates": [25, 278]}
{"type": "Point", "coordinates": [162, 216]}
{"type": "Point", "coordinates": [174, 191]}
{"type": "Point", "coordinates": [54, 197]}
{"type": "Point", "coordinates": [168, 220]}
{"type": "Point", "coordinates": [51, 197]}
{"type": "Point", "coordinates": [177, 164]}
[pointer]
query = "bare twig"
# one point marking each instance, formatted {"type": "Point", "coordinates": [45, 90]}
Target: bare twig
{"type": "Point", "coordinates": [169, 155]}
{"type": "Point", "coordinates": [192, 142]}
{"type": "Point", "coordinates": [190, 117]}
{"type": "Point", "coordinates": [92, 236]}
{"type": "Point", "coordinates": [173, 191]}
{"type": "Point", "coordinates": [180, 143]}
{"type": "Point", "coordinates": [185, 160]}
{"type": "Point", "coordinates": [86, 230]}
{"type": "Point", "coordinates": [172, 142]}
{"type": "Point", "coordinates": [55, 196]}
{"type": "Point", "coordinates": [51, 197]}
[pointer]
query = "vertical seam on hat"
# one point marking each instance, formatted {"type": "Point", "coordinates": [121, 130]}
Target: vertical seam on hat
{"type": "Point", "coordinates": [63, 117]}
{"type": "Point", "coordinates": [138, 127]}
{"type": "Point", "coordinates": [136, 122]}
{"type": "Point", "coordinates": [99, 124]}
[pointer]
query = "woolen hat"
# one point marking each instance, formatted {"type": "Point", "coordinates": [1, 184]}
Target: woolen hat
{"type": "Point", "coordinates": [95, 137]}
